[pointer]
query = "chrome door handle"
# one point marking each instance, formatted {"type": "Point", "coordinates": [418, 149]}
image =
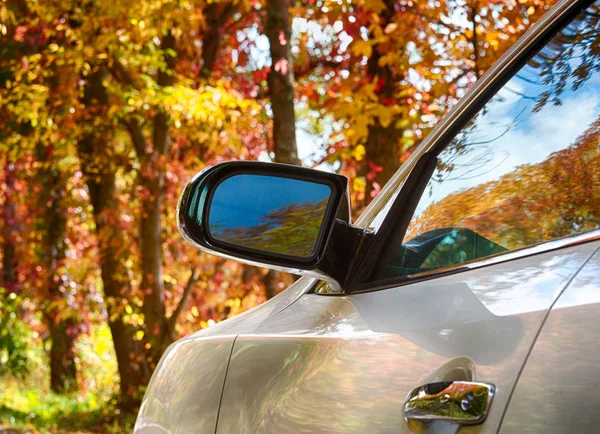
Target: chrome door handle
{"type": "Point", "coordinates": [461, 402]}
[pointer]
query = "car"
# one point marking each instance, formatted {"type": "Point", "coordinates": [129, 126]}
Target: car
{"type": "Point", "coordinates": [466, 297]}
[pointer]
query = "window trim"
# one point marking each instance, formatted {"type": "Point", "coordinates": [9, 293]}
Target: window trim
{"type": "Point", "coordinates": [526, 48]}
{"type": "Point", "coordinates": [500, 258]}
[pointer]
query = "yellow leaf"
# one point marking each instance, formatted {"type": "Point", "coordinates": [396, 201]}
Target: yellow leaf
{"type": "Point", "coordinates": [402, 124]}
{"type": "Point", "coordinates": [139, 335]}
{"type": "Point", "coordinates": [385, 117]}
{"type": "Point", "coordinates": [359, 184]}
{"type": "Point", "coordinates": [359, 153]}
{"type": "Point", "coordinates": [362, 48]}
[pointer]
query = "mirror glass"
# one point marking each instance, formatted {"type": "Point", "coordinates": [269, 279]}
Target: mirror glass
{"type": "Point", "coordinates": [268, 213]}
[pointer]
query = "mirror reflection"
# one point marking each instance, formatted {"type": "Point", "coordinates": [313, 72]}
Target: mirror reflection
{"type": "Point", "coordinates": [272, 214]}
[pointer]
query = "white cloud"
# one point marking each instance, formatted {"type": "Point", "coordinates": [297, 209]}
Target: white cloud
{"type": "Point", "coordinates": [509, 135]}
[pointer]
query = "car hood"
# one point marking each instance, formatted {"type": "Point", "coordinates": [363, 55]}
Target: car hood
{"type": "Point", "coordinates": [184, 393]}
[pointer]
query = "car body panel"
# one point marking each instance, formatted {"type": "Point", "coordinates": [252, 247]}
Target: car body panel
{"type": "Point", "coordinates": [346, 363]}
{"type": "Point", "coordinates": [185, 391]}
{"type": "Point", "coordinates": [558, 389]}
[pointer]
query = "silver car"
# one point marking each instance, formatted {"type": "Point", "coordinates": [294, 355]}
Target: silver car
{"type": "Point", "coordinates": [465, 298]}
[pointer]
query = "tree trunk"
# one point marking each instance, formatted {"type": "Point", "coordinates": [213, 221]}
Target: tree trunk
{"type": "Point", "coordinates": [281, 95]}
{"type": "Point", "coordinates": [281, 82]}
{"type": "Point", "coordinates": [9, 262]}
{"type": "Point", "coordinates": [270, 281]}
{"type": "Point", "coordinates": [211, 38]}
{"type": "Point", "coordinates": [382, 142]}
{"type": "Point", "coordinates": [159, 334]}
{"type": "Point", "coordinates": [382, 149]}
{"type": "Point", "coordinates": [216, 15]}
{"type": "Point", "coordinates": [63, 370]}
{"type": "Point", "coordinates": [152, 182]}
{"type": "Point", "coordinates": [52, 225]}
{"type": "Point", "coordinates": [100, 178]}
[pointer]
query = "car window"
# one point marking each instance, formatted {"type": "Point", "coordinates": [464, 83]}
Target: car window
{"type": "Point", "coordinates": [525, 170]}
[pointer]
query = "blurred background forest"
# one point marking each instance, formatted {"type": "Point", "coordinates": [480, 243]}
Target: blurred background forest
{"type": "Point", "coordinates": [108, 108]}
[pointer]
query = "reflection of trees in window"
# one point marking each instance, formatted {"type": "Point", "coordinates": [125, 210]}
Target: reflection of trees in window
{"type": "Point", "coordinates": [571, 58]}
{"type": "Point", "coordinates": [567, 62]}
{"type": "Point", "coordinates": [290, 229]}
{"type": "Point", "coordinates": [452, 164]}
{"type": "Point", "coordinates": [558, 197]}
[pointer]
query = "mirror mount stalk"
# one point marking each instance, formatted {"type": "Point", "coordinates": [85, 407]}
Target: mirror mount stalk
{"type": "Point", "coordinates": [341, 251]}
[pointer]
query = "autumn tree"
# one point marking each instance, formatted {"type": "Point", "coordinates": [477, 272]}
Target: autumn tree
{"type": "Point", "coordinates": [149, 124]}
{"type": "Point", "coordinates": [100, 172]}
{"type": "Point", "coordinates": [51, 224]}
{"type": "Point", "coordinates": [131, 88]}
{"type": "Point", "coordinates": [45, 225]}
{"type": "Point", "coordinates": [394, 68]}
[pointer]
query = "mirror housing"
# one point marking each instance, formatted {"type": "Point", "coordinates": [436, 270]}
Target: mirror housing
{"type": "Point", "coordinates": [272, 215]}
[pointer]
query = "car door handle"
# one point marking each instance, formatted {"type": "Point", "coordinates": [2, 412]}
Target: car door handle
{"type": "Point", "coordinates": [460, 402]}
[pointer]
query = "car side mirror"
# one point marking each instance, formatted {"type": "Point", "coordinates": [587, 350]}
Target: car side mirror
{"type": "Point", "coordinates": [272, 215]}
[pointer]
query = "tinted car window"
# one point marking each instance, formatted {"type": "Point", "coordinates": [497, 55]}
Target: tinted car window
{"type": "Point", "coordinates": [525, 170]}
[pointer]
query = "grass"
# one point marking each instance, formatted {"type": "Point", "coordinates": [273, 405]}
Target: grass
{"type": "Point", "coordinates": [28, 406]}
{"type": "Point", "coordinates": [40, 411]}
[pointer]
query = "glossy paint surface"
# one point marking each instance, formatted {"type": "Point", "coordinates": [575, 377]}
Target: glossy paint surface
{"type": "Point", "coordinates": [558, 390]}
{"type": "Point", "coordinates": [346, 364]}
{"type": "Point", "coordinates": [184, 393]}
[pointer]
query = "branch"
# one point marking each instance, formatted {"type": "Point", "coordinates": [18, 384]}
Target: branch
{"type": "Point", "coordinates": [215, 20]}
{"type": "Point", "coordinates": [316, 62]}
{"type": "Point", "coordinates": [137, 137]}
{"type": "Point", "coordinates": [184, 298]}
{"type": "Point", "coordinates": [165, 77]}
{"type": "Point", "coordinates": [227, 12]}
{"type": "Point", "coordinates": [121, 74]}
{"type": "Point", "coordinates": [475, 41]}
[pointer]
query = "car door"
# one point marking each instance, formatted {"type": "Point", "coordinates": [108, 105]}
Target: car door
{"type": "Point", "coordinates": [472, 248]}
{"type": "Point", "coordinates": [346, 364]}
{"type": "Point", "coordinates": [558, 389]}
